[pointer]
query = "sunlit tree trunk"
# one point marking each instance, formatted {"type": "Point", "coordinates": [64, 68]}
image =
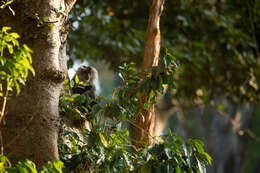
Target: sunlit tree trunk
{"type": "Point", "coordinates": [32, 121]}
{"type": "Point", "coordinates": [145, 120]}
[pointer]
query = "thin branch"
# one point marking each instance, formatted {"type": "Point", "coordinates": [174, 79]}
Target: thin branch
{"type": "Point", "coordinates": [252, 135]}
{"type": "Point", "coordinates": [153, 137]}
{"type": "Point", "coordinates": [236, 126]}
{"type": "Point", "coordinates": [150, 59]}
{"type": "Point", "coordinates": [1, 118]}
{"type": "Point", "coordinates": [3, 109]}
{"type": "Point", "coordinates": [104, 123]}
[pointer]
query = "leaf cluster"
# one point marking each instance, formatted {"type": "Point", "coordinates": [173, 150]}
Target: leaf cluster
{"type": "Point", "coordinates": [114, 152]}
{"type": "Point", "coordinates": [29, 167]}
{"type": "Point", "coordinates": [108, 147]}
{"type": "Point", "coordinates": [217, 48]}
{"type": "Point", "coordinates": [7, 3]}
{"type": "Point", "coordinates": [15, 62]}
{"type": "Point", "coordinates": [109, 29]}
{"type": "Point", "coordinates": [215, 42]}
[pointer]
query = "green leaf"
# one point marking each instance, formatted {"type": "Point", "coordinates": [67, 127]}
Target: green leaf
{"type": "Point", "coordinates": [31, 165]}
{"type": "Point", "coordinates": [2, 61]}
{"type": "Point", "coordinates": [103, 140]}
{"type": "Point", "coordinates": [17, 88]}
{"type": "Point", "coordinates": [6, 28]}
{"type": "Point", "coordinates": [178, 170]}
{"type": "Point", "coordinates": [5, 160]}
{"type": "Point", "coordinates": [27, 49]}
{"type": "Point", "coordinates": [58, 165]}
{"type": "Point", "coordinates": [146, 106]}
{"type": "Point", "coordinates": [76, 79]}
{"type": "Point", "coordinates": [9, 2]}
{"type": "Point", "coordinates": [14, 35]}
{"type": "Point", "coordinates": [209, 159]}
{"type": "Point", "coordinates": [199, 145]}
{"type": "Point", "coordinates": [2, 166]}
{"type": "Point", "coordinates": [22, 168]}
{"type": "Point", "coordinates": [66, 81]}
{"type": "Point", "coordinates": [10, 48]}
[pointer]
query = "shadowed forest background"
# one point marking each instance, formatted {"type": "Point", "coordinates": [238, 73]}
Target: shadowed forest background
{"type": "Point", "coordinates": [216, 46]}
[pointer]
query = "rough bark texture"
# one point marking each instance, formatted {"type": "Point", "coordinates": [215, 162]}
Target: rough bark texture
{"type": "Point", "coordinates": [145, 120]}
{"type": "Point", "coordinates": [32, 120]}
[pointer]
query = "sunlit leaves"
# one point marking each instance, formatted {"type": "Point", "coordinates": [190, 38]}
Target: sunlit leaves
{"type": "Point", "coordinates": [115, 152]}
{"type": "Point", "coordinates": [4, 163]}
{"type": "Point", "coordinates": [108, 146]}
{"type": "Point", "coordinates": [29, 167]}
{"type": "Point", "coordinates": [14, 64]}
{"type": "Point", "coordinates": [6, 3]}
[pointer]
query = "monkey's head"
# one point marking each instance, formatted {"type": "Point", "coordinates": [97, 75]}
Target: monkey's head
{"type": "Point", "coordinates": [87, 75]}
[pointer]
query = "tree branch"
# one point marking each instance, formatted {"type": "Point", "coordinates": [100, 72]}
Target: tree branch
{"type": "Point", "coordinates": [145, 119]}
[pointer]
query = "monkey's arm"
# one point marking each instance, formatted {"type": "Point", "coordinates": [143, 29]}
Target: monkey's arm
{"type": "Point", "coordinates": [81, 89]}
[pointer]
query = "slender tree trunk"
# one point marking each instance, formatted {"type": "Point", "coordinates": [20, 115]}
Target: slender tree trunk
{"type": "Point", "coordinates": [145, 120]}
{"type": "Point", "coordinates": [32, 120]}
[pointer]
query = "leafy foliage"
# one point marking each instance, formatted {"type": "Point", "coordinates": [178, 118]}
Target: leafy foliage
{"type": "Point", "coordinates": [14, 63]}
{"type": "Point", "coordinates": [217, 52]}
{"type": "Point", "coordinates": [29, 167]}
{"type": "Point", "coordinates": [109, 30]}
{"type": "Point", "coordinates": [6, 3]}
{"type": "Point", "coordinates": [107, 147]}
{"type": "Point", "coordinates": [215, 42]}
{"type": "Point", "coordinates": [114, 152]}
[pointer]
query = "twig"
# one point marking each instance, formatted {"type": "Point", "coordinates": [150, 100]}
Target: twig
{"type": "Point", "coordinates": [3, 109]}
{"type": "Point", "coordinates": [153, 137]}
{"type": "Point", "coordinates": [104, 123]}
{"type": "Point", "coordinates": [252, 135]}
{"type": "Point", "coordinates": [237, 127]}
{"type": "Point", "coordinates": [1, 117]}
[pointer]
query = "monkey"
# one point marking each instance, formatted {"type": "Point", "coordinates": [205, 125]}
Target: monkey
{"type": "Point", "coordinates": [86, 85]}
{"type": "Point", "coordinates": [88, 78]}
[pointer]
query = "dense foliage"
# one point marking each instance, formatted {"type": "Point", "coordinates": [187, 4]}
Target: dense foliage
{"type": "Point", "coordinates": [215, 42]}
{"type": "Point", "coordinates": [28, 166]}
{"type": "Point", "coordinates": [114, 152]}
{"type": "Point", "coordinates": [107, 147]}
{"type": "Point", "coordinates": [14, 70]}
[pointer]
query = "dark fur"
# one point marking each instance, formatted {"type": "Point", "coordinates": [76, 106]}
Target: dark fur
{"type": "Point", "coordinates": [88, 77]}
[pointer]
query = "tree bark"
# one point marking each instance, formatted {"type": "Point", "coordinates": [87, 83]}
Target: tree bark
{"type": "Point", "coordinates": [32, 121]}
{"type": "Point", "coordinates": [145, 120]}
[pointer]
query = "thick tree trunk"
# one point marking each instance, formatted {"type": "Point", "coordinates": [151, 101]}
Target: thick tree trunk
{"type": "Point", "coordinates": [32, 120]}
{"type": "Point", "coordinates": [145, 120]}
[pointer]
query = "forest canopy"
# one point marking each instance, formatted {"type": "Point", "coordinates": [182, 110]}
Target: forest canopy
{"type": "Point", "coordinates": [204, 84]}
{"type": "Point", "coordinates": [216, 43]}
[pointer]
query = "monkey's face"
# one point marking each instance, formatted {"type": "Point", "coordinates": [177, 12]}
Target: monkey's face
{"type": "Point", "coordinates": [87, 74]}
